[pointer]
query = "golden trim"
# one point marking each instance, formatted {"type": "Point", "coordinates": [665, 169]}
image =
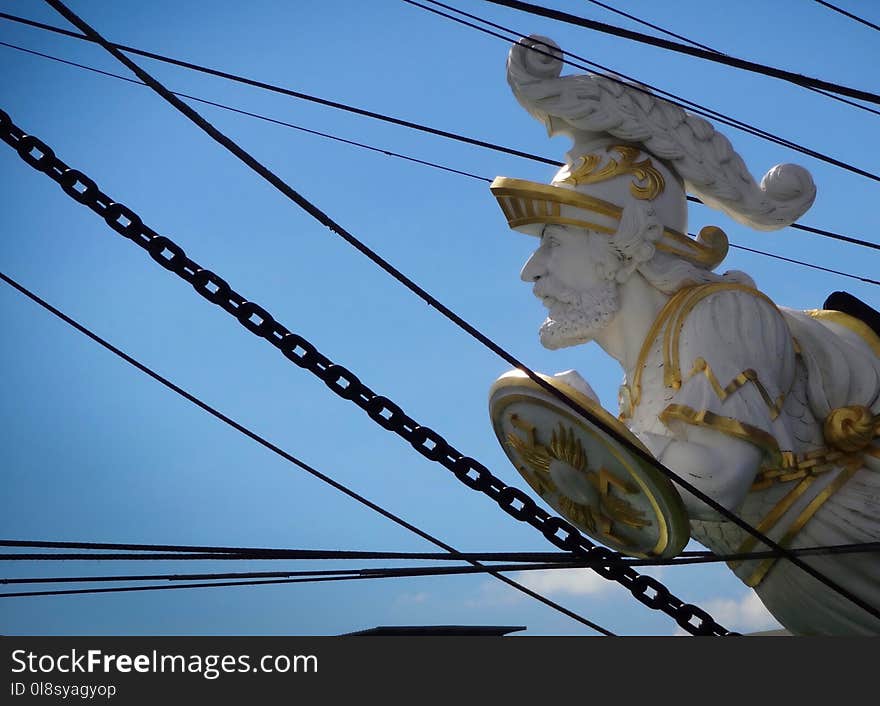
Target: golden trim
{"type": "Point", "coordinates": [746, 376]}
{"type": "Point", "coordinates": [527, 203]}
{"type": "Point", "coordinates": [812, 463]}
{"type": "Point", "coordinates": [852, 323]}
{"type": "Point", "coordinates": [772, 517]}
{"type": "Point", "coordinates": [672, 335]}
{"type": "Point", "coordinates": [580, 172]}
{"type": "Point", "coordinates": [851, 429]}
{"type": "Point", "coordinates": [648, 344]}
{"type": "Point", "coordinates": [517, 377]}
{"type": "Point", "coordinates": [709, 249]}
{"type": "Point", "coordinates": [678, 307]}
{"type": "Point", "coordinates": [520, 188]}
{"type": "Point", "coordinates": [584, 172]}
{"type": "Point", "coordinates": [725, 425]}
{"type": "Point", "coordinates": [806, 514]}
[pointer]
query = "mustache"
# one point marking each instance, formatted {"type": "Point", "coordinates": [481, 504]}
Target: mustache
{"type": "Point", "coordinates": [550, 287]}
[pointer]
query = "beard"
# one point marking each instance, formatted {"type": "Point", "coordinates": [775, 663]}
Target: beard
{"type": "Point", "coordinates": [575, 315]}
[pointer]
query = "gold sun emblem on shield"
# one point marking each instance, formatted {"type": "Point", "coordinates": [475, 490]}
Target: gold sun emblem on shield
{"type": "Point", "coordinates": [609, 508]}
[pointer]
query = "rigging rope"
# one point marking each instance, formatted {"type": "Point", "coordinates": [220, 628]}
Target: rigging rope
{"type": "Point", "coordinates": [862, 20]}
{"type": "Point", "coordinates": [279, 451]}
{"type": "Point", "coordinates": [790, 76]}
{"type": "Point", "coordinates": [398, 155]}
{"type": "Point", "coordinates": [445, 134]}
{"type": "Point", "coordinates": [669, 33]}
{"type": "Point", "coordinates": [643, 87]}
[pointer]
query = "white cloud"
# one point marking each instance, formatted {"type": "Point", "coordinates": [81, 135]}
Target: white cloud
{"type": "Point", "coordinates": [494, 593]}
{"type": "Point", "coordinates": [746, 614]}
{"type": "Point", "coordinates": [412, 598]}
{"type": "Point", "coordinates": [572, 582]}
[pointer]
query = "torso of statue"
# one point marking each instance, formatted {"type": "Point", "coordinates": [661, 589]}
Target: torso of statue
{"type": "Point", "coordinates": [723, 357]}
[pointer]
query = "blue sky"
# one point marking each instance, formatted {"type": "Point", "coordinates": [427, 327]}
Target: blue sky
{"type": "Point", "coordinates": [94, 451]}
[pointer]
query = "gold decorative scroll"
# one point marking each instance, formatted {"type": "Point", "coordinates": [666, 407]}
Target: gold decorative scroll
{"type": "Point", "coordinates": [648, 182]}
{"type": "Point", "coordinates": [851, 429]}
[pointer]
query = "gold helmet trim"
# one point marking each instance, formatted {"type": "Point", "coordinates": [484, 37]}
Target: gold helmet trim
{"type": "Point", "coordinates": [528, 202]}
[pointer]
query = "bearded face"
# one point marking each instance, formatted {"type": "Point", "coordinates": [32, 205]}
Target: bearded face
{"type": "Point", "coordinates": [573, 273]}
{"type": "Point", "coordinates": [575, 315]}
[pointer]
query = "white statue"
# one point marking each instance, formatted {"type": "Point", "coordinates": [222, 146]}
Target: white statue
{"type": "Point", "coordinates": [772, 412]}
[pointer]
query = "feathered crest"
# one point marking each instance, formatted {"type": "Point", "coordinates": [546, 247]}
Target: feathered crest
{"type": "Point", "coordinates": [704, 158]}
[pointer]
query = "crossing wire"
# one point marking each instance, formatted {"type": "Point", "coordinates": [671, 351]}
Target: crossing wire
{"type": "Point", "coordinates": [401, 572]}
{"type": "Point", "coordinates": [284, 553]}
{"type": "Point", "coordinates": [395, 572]}
{"type": "Point", "coordinates": [669, 33]}
{"type": "Point", "coordinates": [285, 455]}
{"type": "Point", "coordinates": [849, 14]}
{"type": "Point", "coordinates": [810, 265]}
{"type": "Point", "coordinates": [380, 150]}
{"type": "Point", "coordinates": [445, 134]}
{"type": "Point", "coordinates": [320, 576]}
{"type": "Point", "coordinates": [146, 552]}
{"type": "Point", "coordinates": [790, 76]}
{"type": "Point", "coordinates": [289, 92]}
{"type": "Point", "coordinates": [328, 222]}
{"type": "Point", "coordinates": [641, 86]}
{"type": "Point", "coordinates": [172, 587]}
{"type": "Point", "coordinates": [265, 118]}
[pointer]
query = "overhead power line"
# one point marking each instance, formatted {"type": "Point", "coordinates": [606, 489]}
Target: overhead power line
{"type": "Point", "coordinates": [172, 587]}
{"type": "Point", "coordinates": [790, 76]}
{"type": "Point", "coordinates": [693, 43]}
{"type": "Point", "coordinates": [640, 86]}
{"type": "Point", "coordinates": [186, 551]}
{"type": "Point", "coordinates": [146, 552]}
{"type": "Point", "coordinates": [818, 231]}
{"type": "Point", "coordinates": [284, 454]}
{"type": "Point", "coordinates": [683, 615]}
{"type": "Point", "coordinates": [812, 266]}
{"type": "Point", "coordinates": [395, 572]}
{"type": "Point", "coordinates": [255, 578]}
{"type": "Point", "coordinates": [849, 14]}
{"type": "Point", "coordinates": [314, 577]}
{"type": "Point", "coordinates": [291, 93]}
{"type": "Point", "coordinates": [390, 153]}
{"type": "Point", "coordinates": [223, 106]}
{"type": "Point", "coordinates": [645, 23]}
{"type": "Point", "coordinates": [445, 134]}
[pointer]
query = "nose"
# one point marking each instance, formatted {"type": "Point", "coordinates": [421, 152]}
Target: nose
{"type": "Point", "coordinates": [535, 267]}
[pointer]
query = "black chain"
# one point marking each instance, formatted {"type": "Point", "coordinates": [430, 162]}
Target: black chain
{"type": "Point", "coordinates": [430, 444]}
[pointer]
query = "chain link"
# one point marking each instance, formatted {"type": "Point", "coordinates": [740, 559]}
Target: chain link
{"type": "Point", "coordinates": [430, 444]}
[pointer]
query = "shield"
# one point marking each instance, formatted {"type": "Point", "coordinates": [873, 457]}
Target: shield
{"type": "Point", "coordinates": [594, 481]}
